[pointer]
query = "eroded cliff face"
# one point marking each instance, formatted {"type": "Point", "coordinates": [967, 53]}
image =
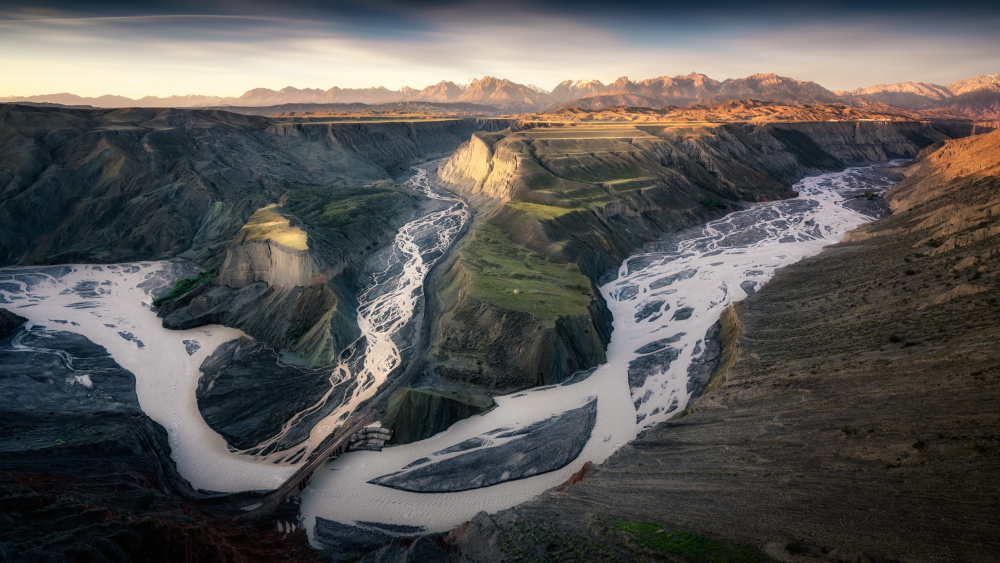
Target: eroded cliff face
{"type": "Point", "coordinates": [560, 206]}
{"type": "Point", "coordinates": [471, 165]}
{"type": "Point", "coordinates": [875, 141]}
{"type": "Point", "coordinates": [393, 146]}
{"type": "Point", "coordinates": [137, 184]}
{"type": "Point", "coordinates": [269, 262]}
{"type": "Point", "coordinates": [277, 289]}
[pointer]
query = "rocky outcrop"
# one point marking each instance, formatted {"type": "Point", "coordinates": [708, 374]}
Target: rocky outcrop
{"type": "Point", "coordinates": [269, 262]}
{"type": "Point", "coordinates": [9, 322]}
{"type": "Point", "coordinates": [272, 286]}
{"type": "Point", "coordinates": [415, 414]}
{"type": "Point", "coordinates": [472, 164]}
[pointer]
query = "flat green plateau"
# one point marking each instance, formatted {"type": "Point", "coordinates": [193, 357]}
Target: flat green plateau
{"type": "Point", "coordinates": [511, 277]}
{"type": "Point", "coordinates": [266, 224]}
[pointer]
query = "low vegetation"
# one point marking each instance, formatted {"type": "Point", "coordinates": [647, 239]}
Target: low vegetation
{"type": "Point", "coordinates": [513, 278]}
{"type": "Point", "coordinates": [343, 209]}
{"type": "Point", "coordinates": [268, 224]}
{"type": "Point", "coordinates": [185, 285]}
{"type": "Point", "coordinates": [688, 547]}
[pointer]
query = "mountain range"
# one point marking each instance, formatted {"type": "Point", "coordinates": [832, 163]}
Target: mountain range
{"type": "Point", "coordinates": [977, 97]}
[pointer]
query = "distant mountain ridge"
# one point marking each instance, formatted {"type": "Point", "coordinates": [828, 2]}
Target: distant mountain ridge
{"type": "Point", "coordinates": [977, 97]}
{"type": "Point", "coordinates": [697, 88]}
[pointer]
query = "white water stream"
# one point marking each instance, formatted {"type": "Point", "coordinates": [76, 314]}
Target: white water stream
{"type": "Point", "coordinates": [102, 303]}
{"type": "Point", "coordinates": [386, 303]}
{"type": "Point", "coordinates": [697, 272]}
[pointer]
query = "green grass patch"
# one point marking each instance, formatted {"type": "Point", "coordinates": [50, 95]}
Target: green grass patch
{"type": "Point", "coordinates": [514, 278]}
{"type": "Point", "coordinates": [625, 185]}
{"type": "Point", "coordinates": [543, 212]}
{"type": "Point", "coordinates": [688, 546]}
{"type": "Point", "coordinates": [268, 224]}
{"type": "Point", "coordinates": [185, 285]}
{"type": "Point", "coordinates": [345, 209]}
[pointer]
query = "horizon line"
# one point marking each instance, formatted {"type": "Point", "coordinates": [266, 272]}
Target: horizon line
{"type": "Point", "coordinates": [463, 85]}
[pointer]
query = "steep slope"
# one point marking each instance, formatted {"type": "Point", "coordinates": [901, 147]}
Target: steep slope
{"type": "Point", "coordinates": [981, 82]}
{"type": "Point", "coordinates": [978, 97]}
{"type": "Point", "coordinates": [117, 185]}
{"type": "Point", "coordinates": [137, 184]}
{"type": "Point", "coordinates": [859, 412]}
{"type": "Point", "coordinates": [444, 91]}
{"type": "Point", "coordinates": [773, 88]}
{"type": "Point", "coordinates": [678, 89]}
{"type": "Point", "coordinates": [560, 206]}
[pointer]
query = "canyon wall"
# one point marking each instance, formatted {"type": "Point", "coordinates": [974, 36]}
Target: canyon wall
{"type": "Point", "coordinates": [856, 406]}
{"type": "Point", "coordinates": [561, 206]}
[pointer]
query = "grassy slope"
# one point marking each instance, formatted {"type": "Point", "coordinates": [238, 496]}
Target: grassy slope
{"type": "Point", "coordinates": [267, 224]}
{"type": "Point", "coordinates": [583, 198]}
{"type": "Point", "coordinates": [511, 277]}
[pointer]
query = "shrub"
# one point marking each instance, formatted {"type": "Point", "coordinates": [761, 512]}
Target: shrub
{"type": "Point", "coordinates": [185, 285]}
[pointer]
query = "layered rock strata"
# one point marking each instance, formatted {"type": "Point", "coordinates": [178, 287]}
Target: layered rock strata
{"type": "Point", "coordinates": [560, 206]}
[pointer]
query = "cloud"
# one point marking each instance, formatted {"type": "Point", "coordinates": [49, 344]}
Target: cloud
{"type": "Point", "coordinates": [226, 53]}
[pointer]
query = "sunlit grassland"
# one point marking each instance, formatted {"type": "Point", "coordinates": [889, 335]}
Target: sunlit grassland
{"type": "Point", "coordinates": [514, 278]}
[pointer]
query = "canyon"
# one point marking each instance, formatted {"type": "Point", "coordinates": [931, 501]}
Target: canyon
{"type": "Point", "coordinates": [477, 284]}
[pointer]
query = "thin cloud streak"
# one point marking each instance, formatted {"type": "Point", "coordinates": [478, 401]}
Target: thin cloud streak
{"type": "Point", "coordinates": [225, 54]}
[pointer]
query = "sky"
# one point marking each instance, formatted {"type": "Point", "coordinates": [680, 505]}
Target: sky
{"type": "Point", "coordinates": [224, 48]}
